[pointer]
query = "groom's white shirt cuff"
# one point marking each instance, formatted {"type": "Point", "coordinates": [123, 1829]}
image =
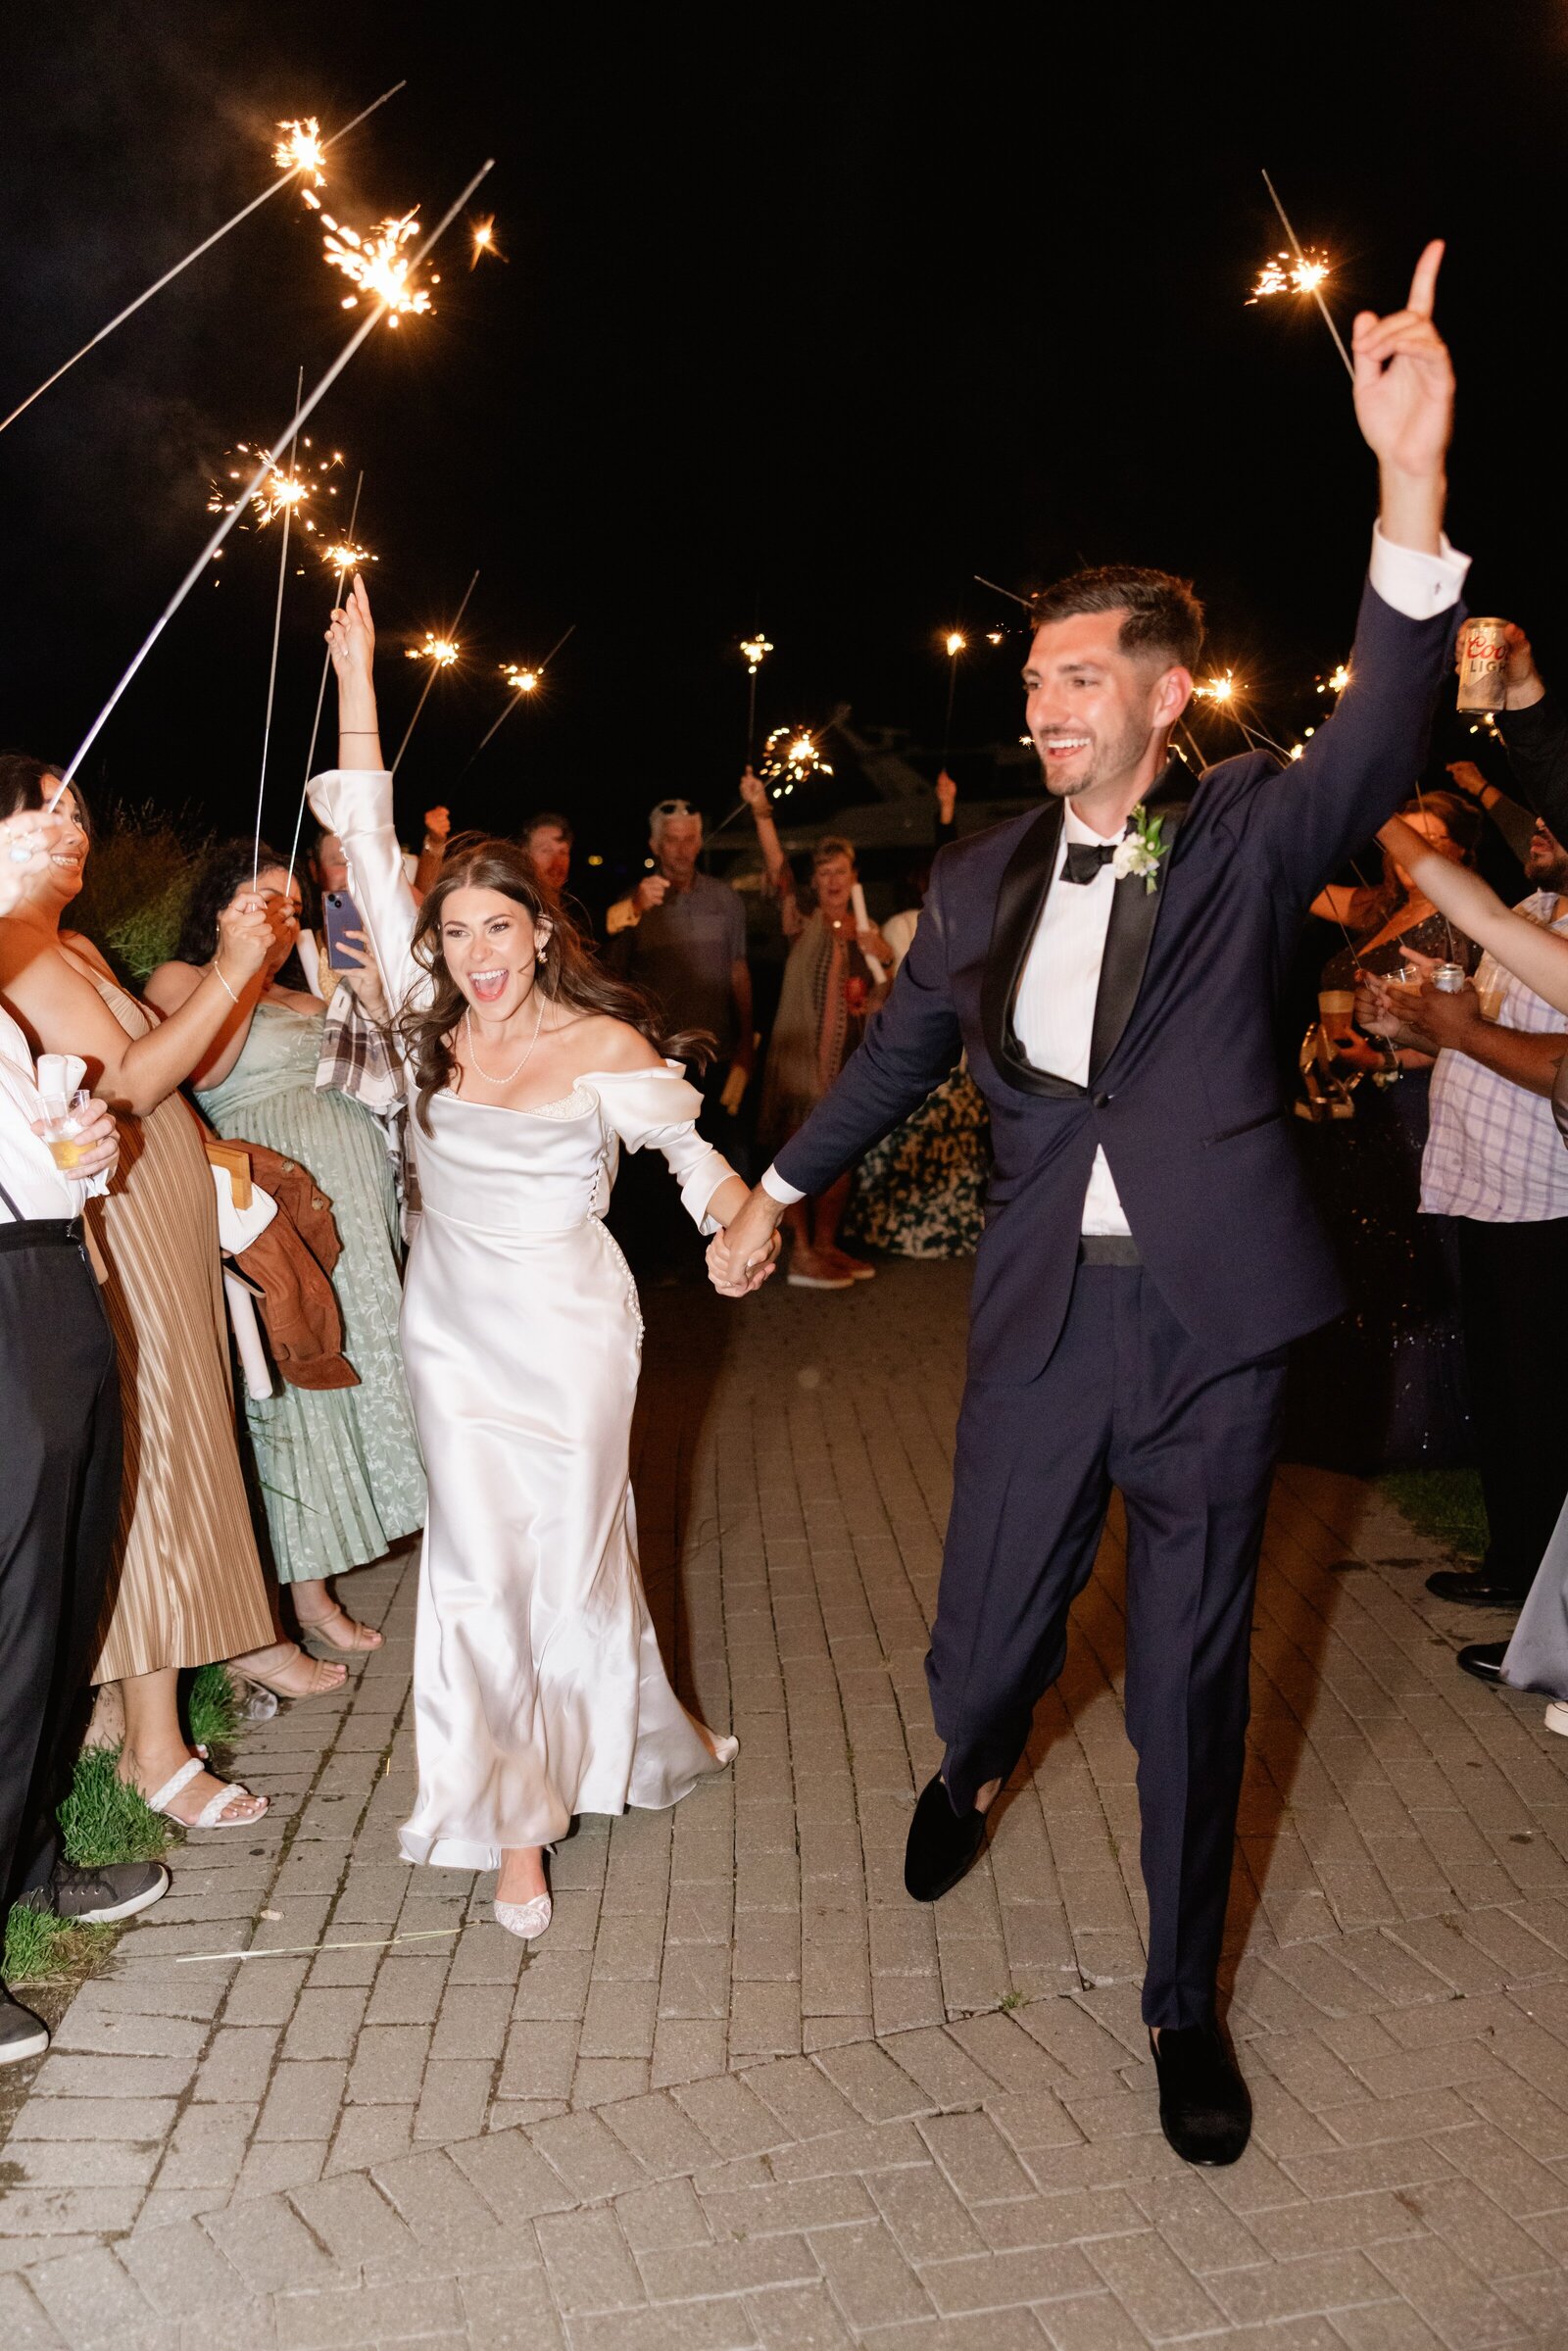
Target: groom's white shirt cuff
{"type": "Point", "coordinates": [1420, 586]}
{"type": "Point", "coordinates": [774, 1186]}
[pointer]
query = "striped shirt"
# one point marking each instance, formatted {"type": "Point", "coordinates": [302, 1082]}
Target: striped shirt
{"type": "Point", "coordinates": [1493, 1150]}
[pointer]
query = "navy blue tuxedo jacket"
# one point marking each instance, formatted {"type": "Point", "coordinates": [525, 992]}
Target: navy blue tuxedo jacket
{"type": "Point", "coordinates": [1184, 1088]}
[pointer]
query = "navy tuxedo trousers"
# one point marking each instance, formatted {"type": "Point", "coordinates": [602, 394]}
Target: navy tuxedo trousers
{"type": "Point", "coordinates": [1130, 1400]}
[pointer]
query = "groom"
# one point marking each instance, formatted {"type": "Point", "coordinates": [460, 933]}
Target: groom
{"type": "Point", "coordinates": [1112, 964]}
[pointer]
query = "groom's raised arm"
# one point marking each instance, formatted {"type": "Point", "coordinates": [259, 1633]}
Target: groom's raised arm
{"type": "Point", "coordinates": [1361, 764]}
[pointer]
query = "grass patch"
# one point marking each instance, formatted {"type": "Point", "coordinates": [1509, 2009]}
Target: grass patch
{"type": "Point", "coordinates": [1444, 1503]}
{"type": "Point", "coordinates": [102, 1819]}
{"type": "Point", "coordinates": [213, 1708]}
{"type": "Point", "coordinates": [42, 1949]}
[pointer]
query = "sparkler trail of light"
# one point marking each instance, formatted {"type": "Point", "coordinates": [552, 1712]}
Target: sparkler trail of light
{"type": "Point", "coordinates": [524, 682]}
{"type": "Point", "coordinates": [791, 756]}
{"type": "Point", "coordinates": [1281, 275]}
{"type": "Point", "coordinates": [376, 265]}
{"type": "Point", "coordinates": [351, 558]}
{"type": "Point", "coordinates": [313, 401]}
{"type": "Point", "coordinates": [440, 652]}
{"type": "Point", "coordinates": [278, 630]}
{"type": "Point", "coordinates": [1309, 285]}
{"type": "Point", "coordinates": [754, 651]}
{"type": "Point", "coordinates": [194, 255]}
{"type": "Point", "coordinates": [286, 488]}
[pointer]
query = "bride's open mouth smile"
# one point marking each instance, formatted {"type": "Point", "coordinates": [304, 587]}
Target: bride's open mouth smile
{"type": "Point", "coordinates": [488, 987]}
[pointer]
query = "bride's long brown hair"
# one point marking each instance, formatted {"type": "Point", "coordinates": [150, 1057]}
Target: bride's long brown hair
{"type": "Point", "coordinates": [568, 975]}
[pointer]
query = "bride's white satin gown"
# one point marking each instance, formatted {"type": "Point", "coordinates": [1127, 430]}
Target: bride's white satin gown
{"type": "Point", "coordinates": [538, 1687]}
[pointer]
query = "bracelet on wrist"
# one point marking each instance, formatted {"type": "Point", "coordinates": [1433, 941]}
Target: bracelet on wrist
{"type": "Point", "coordinates": [218, 974]}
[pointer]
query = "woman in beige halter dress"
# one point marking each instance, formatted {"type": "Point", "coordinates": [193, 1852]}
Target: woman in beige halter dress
{"type": "Point", "coordinates": [186, 1587]}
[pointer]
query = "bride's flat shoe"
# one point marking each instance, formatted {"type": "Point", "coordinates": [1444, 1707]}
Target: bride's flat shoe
{"type": "Point", "coordinates": [527, 1920]}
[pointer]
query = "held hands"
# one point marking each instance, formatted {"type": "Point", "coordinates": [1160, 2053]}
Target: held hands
{"type": "Point", "coordinates": [1404, 380]}
{"type": "Point", "coordinates": [649, 893]}
{"type": "Point", "coordinates": [96, 1136]}
{"type": "Point", "coordinates": [1522, 682]}
{"type": "Point", "coordinates": [26, 840]}
{"type": "Point", "coordinates": [755, 792]}
{"type": "Point", "coordinates": [742, 1256]}
{"type": "Point", "coordinates": [947, 796]}
{"type": "Point", "coordinates": [437, 826]}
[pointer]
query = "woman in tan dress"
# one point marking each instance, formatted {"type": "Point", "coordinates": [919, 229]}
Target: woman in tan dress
{"type": "Point", "coordinates": [186, 1587]}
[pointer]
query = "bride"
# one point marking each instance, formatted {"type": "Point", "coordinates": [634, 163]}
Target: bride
{"type": "Point", "coordinates": [538, 1686]}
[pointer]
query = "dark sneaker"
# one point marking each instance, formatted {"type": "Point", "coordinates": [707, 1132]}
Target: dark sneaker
{"type": "Point", "coordinates": [95, 1897]}
{"type": "Point", "coordinates": [21, 2034]}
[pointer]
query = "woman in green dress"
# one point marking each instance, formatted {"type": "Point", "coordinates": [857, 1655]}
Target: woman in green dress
{"type": "Point", "coordinates": [340, 1470]}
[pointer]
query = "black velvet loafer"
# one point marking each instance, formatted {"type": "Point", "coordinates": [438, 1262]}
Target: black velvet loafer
{"type": "Point", "coordinates": [1205, 2110]}
{"type": "Point", "coordinates": [941, 1845]}
{"type": "Point", "coordinates": [1483, 1659]}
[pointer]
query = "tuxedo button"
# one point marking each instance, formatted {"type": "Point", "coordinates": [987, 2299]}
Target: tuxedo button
{"type": "Point", "coordinates": [1101, 1100]}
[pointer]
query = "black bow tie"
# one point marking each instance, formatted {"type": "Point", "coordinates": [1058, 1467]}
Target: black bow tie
{"type": "Point", "coordinates": [1086, 858]}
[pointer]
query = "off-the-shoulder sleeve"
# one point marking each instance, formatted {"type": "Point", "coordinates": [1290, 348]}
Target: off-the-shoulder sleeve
{"type": "Point", "coordinates": [356, 803]}
{"type": "Point", "coordinates": [657, 1110]}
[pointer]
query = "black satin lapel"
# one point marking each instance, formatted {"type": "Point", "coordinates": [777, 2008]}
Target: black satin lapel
{"type": "Point", "coordinates": [1019, 901]}
{"type": "Point", "coordinates": [1134, 913]}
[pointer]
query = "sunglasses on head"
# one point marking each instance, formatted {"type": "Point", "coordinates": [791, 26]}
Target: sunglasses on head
{"type": "Point", "coordinates": [674, 808]}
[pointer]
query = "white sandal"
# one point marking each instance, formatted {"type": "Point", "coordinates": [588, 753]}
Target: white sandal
{"type": "Point", "coordinates": [210, 1814]}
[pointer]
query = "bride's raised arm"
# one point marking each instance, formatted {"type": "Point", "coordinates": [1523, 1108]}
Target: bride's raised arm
{"type": "Point", "coordinates": [1533, 955]}
{"type": "Point", "coordinates": [354, 800]}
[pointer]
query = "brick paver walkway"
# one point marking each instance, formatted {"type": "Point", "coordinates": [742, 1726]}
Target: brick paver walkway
{"type": "Point", "coordinates": [745, 2094]}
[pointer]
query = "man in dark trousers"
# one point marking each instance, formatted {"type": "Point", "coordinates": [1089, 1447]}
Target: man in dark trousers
{"type": "Point", "coordinates": [60, 1463]}
{"type": "Point", "coordinates": [1112, 964]}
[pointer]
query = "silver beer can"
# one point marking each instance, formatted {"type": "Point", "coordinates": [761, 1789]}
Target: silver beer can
{"type": "Point", "coordinates": [1449, 979]}
{"type": "Point", "coordinates": [1483, 664]}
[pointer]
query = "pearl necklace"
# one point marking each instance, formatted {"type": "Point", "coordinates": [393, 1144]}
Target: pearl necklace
{"type": "Point", "coordinates": [468, 1027]}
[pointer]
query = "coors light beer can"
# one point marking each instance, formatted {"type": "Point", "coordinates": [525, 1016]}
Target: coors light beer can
{"type": "Point", "coordinates": [1483, 661]}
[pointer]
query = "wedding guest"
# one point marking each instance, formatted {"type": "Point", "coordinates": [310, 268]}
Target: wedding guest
{"type": "Point", "coordinates": [1384, 1388]}
{"type": "Point", "coordinates": [921, 1190]}
{"type": "Point", "coordinates": [829, 993]}
{"type": "Point", "coordinates": [60, 1471]}
{"type": "Point", "coordinates": [547, 841]}
{"type": "Point", "coordinates": [187, 1588]}
{"type": "Point", "coordinates": [680, 938]}
{"type": "Point", "coordinates": [1493, 1163]}
{"type": "Point", "coordinates": [432, 849]}
{"type": "Point", "coordinates": [538, 1687]}
{"type": "Point", "coordinates": [338, 1468]}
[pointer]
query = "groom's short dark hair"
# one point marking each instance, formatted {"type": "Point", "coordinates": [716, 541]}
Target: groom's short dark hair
{"type": "Point", "coordinates": [1163, 615]}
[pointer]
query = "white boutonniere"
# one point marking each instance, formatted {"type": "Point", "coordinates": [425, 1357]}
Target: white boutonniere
{"type": "Point", "coordinates": [1140, 851]}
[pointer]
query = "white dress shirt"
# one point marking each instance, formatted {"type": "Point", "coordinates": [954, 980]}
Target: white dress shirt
{"type": "Point", "coordinates": [26, 1168]}
{"type": "Point", "coordinates": [1054, 1016]}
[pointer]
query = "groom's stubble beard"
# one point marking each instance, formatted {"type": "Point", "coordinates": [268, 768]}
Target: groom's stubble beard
{"type": "Point", "coordinates": [1108, 762]}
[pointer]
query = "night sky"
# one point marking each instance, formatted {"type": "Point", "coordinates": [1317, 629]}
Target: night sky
{"type": "Point", "coordinates": [803, 322]}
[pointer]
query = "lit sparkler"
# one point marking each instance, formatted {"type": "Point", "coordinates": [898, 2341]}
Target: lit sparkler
{"type": "Point", "coordinates": [300, 150]}
{"type": "Point", "coordinates": [1304, 275]}
{"type": "Point", "coordinates": [1281, 275]}
{"type": "Point", "coordinates": [118, 320]}
{"type": "Point", "coordinates": [343, 555]}
{"type": "Point", "coordinates": [1223, 689]}
{"type": "Point", "coordinates": [1336, 681]}
{"type": "Point", "coordinates": [285, 489]}
{"type": "Point", "coordinates": [790, 758]}
{"type": "Point", "coordinates": [483, 235]}
{"type": "Point", "coordinates": [441, 652]}
{"type": "Point", "coordinates": [524, 678]}
{"type": "Point", "coordinates": [754, 651]}
{"type": "Point", "coordinates": [305, 410]}
{"type": "Point", "coordinates": [377, 265]}
{"type": "Point", "coordinates": [956, 643]}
